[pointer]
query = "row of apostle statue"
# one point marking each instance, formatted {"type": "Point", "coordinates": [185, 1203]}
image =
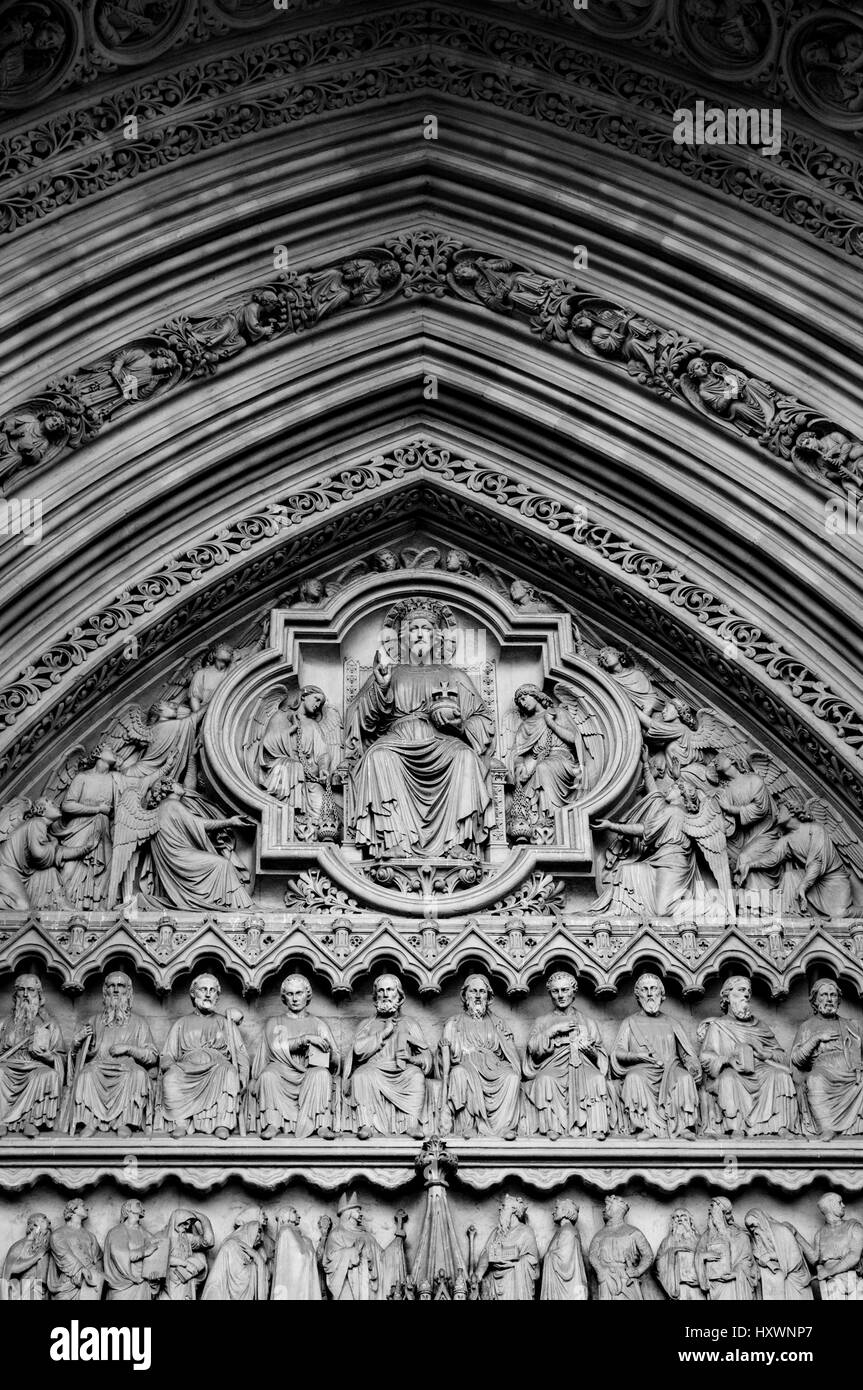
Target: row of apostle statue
{"type": "Point", "coordinates": [655, 1082]}
{"type": "Point", "coordinates": [761, 1257]}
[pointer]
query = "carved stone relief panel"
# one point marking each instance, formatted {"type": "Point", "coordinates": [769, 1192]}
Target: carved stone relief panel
{"type": "Point", "coordinates": [440, 1242]}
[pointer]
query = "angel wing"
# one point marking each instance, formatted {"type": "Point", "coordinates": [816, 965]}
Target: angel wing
{"type": "Point", "coordinates": [176, 687]}
{"type": "Point", "coordinates": [133, 826]}
{"type": "Point", "coordinates": [256, 725]}
{"type": "Point", "coordinates": [61, 777]}
{"type": "Point", "coordinates": [847, 845]}
{"type": "Point", "coordinates": [253, 638]}
{"type": "Point", "coordinates": [781, 785]}
{"type": "Point", "coordinates": [715, 735]}
{"type": "Point", "coordinates": [706, 827]}
{"type": "Point", "coordinates": [128, 734]}
{"type": "Point", "coordinates": [333, 731]}
{"type": "Point", "coordinates": [580, 712]}
{"type": "Point", "coordinates": [12, 814]}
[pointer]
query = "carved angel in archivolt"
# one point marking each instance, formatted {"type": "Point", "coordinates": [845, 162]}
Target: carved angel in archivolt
{"type": "Point", "coordinates": [831, 457]}
{"type": "Point", "coordinates": [720, 390]}
{"type": "Point", "coordinates": [293, 748]}
{"type": "Point", "coordinates": [602, 330]}
{"type": "Point", "coordinates": [554, 747]}
{"type": "Point", "coordinates": [674, 836]}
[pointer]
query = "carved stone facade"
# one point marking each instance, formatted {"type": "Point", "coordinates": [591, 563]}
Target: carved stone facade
{"type": "Point", "coordinates": [431, 848]}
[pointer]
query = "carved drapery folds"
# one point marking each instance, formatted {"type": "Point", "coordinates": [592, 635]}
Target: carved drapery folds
{"type": "Point", "coordinates": [718, 1252]}
{"type": "Point", "coordinates": [561, 1074]}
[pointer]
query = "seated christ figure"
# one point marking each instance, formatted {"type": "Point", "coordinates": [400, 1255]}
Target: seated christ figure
{"type": "Point", "coordinates": [424, 737]}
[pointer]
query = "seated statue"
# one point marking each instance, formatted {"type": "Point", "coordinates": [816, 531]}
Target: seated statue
{"type": "Point", "coordinates": [419, 740]}
{"type": "Point", "coordinates": [300, 751]}
{"type": "Point", "coordinates": [480, 1067]}
{"type": "Point", "coordinates": [386, 1067]}
{"type": "Point", "coordinates": [112, 1082]}
{"type": "Point", "coordinates": [748, 1084]}
{"type": "Point", "coordinates": [297, 1057]}
{"type": "Point", "coordinates": [544, 763]}
{"type": "Point", "coordinates": [566, 1067]}
{"type": "Point", "coordinates": [827, 1049]}
{"type": "Point", "coordinates": [205, 1066]}
{"type": "Point", "coordinates": [659, 1068]}
{"type": "Point", "coordinates": [31, 1062]}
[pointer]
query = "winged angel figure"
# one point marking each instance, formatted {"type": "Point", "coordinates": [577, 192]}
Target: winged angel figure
{"type": "Point", "coordinates": [674, 835]}
{"type": "Point", "coordinates": [554, 747]}
{"type": "Point", "coordinates": [794, 841]}
{"type": "Point", "coordinates": [293, 748]}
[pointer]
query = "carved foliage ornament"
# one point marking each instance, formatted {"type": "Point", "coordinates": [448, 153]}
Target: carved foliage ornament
{"type": "Point", "coordinates": [568, 86]}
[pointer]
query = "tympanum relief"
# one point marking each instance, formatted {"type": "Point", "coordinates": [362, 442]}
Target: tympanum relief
{"type": "Point", "coordinates": [386, 855]}
{"type": "Point", "coordinates": [426, 733]}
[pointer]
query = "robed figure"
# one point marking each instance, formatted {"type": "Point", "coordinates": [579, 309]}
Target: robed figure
{"type": "Point", "coordinates": [189, 871]}
{"type": "Point", "coordinates": [726, 1269]}
{"type": "Point", "coordinates": [566, 1066]}
{"type": "Point", "coordinates": [85, 831]}
{"type": "Point", "coordinates": [619, 1255]}
{"type": "Point", "coordinates": [782, 1269]}
{"type": "Point", "coordinates": [31, 1062]}
{"type": "Point", "coordinates": [189, 1235]}
{"type": "Point", "coordinates": [112, 1078]}
{"type": "Point", "coordinates": [827, 1050]}
{"type": "Point", "coordinates": [127, 1248]}
{"type": "Point", "coordinates": [836, 1250]}
{"type": "Point", "coordinates": [508, 1266]}
{"type": "Point", "coordinates": [295, 1263]}
{"type": "Point", "coordinates": [25, 1269]}
{"type": "Point", "coordinates": [564, 1276]}
{"type": "Point", "coordinates": [420, 737]}
{"type": "Point", "coordinates": [205, 1066]}
{"type": "Point", "coordinates": [481, 1067]}
{"type": "Point", "coordinates": [239, 1273]}
{"type": "Point", "coordinates": [75, 1271]}
{"type": "Point", "coordinates": [293, 1068]}
{"type": "Point", "coordinates": [356, 1267]}
{"type": "Point", "coordinates": [659, 1068]}
{"type": "Point", "coordinates": [675, 1259]}
{"type": "Point", "coordinates": [386, 1067]}
{"type": "Point", "coordinates": [748, 1084]}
